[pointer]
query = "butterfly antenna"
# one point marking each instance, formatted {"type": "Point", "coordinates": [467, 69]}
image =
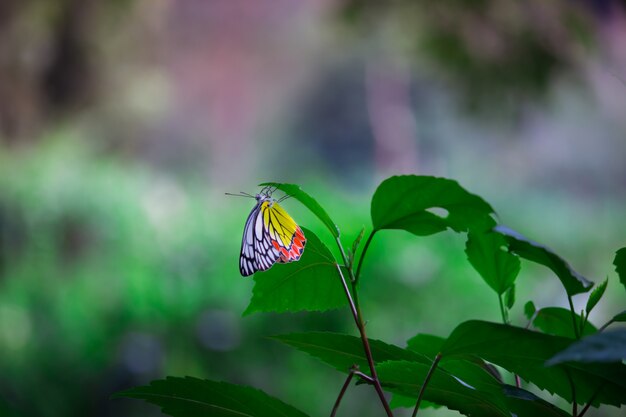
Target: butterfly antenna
{"type": "Point", "coordinates": [241, 194]}
{"type": "Point", "coordinates": [283, 198]}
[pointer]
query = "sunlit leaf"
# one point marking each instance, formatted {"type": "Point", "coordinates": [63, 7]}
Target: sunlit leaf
{"type": "Point", "coordinates": [558, 321]}
{"type": "Point", "coordinates": [609, 346]}
{"type": "Point", "coordinates": [410, 203]}
{"type": "Point", "coordinates": [309, 202]}
{"type": "Point", "coordinates": [595, 296]}
{"type": "Point", "coordinates": [525, 352]}
{"type": "Point", "coordinates": [312, 283]}
{"type": "Point", "coordinates": [573, 282]}
{"type": "Point", "coordinates": [192, 397]}
{"type": "Point", "coordinates": [488, 254]}
{"type": "Point", "coordinates": [620, 265]}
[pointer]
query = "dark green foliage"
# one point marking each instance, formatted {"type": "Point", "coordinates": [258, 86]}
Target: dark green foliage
{"type": "Point", "coordinates": [558, 321]}
{"type": "Point", "coordinates": [342, 351]}
{"type": "Point", "coordinates": [426, 344]}
{"type": "Point", "coordinates": [192, 397]}
{"type": "Point", "coordinates": [458, 372]}
{"type": "Point", "coordinates": [620, 265]}
{"type": "Point", "coordinates": [309, 284]}
{"type": "Point", "coordinates": [609, 346]}
{"type": "Point", "coordinates": [573, 282]}
{"type": "Point", "coordinates": [488, 254]}
{"type": "Point", "coordinates": [595, 296]}
{"type": "Point", "coordinates": [525, 353]}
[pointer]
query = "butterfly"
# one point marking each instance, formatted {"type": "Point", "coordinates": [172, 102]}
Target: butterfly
{"type": "Point", "coordinates": [269, 236]}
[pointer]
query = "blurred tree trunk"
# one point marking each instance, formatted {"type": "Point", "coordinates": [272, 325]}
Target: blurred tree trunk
{"type": "Point", "coordinates": [46, 61]}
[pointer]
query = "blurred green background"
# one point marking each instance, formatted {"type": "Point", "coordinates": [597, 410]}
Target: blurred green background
{"type": "Point", "coordinates": [123, 123]}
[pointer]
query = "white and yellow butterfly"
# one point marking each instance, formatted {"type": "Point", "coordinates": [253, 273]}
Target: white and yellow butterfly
{"type": "Point", "coordinates": [269, 236]}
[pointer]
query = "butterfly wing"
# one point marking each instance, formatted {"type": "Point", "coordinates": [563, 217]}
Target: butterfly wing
{"type": "Point", "coordinates": [287, 236]}
{"type": "Point", "coordinates": [257, 251]}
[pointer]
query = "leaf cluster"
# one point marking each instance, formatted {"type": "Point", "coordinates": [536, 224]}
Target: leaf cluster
{"type": "Point", "coordinates": [558, 350]}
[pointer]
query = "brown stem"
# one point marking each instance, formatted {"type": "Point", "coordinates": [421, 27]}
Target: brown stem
{"type": "Point", "coordinates": [342, 392]}
{"type": "Point", "coordinates": [430, 373]}
{"type": "Point", "coordinates": [366, 345]}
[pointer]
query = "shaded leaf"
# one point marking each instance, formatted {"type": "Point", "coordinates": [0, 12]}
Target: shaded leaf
{"type": "Point", "coordinates": [427, 344]}
{"type": "Point", "coordinates": [488, 254]}
{"type": "Point", "coordinates": [309, 202]}
{"type": "Point", "coordinates": [525, 352]}
{"type": "Point", "coordinates": [524, 403]}
{"type": "Point", "coordinates": [573, 282]}
{"type": "Point", "coordinates": [609, 346]}
{"type": "Point", "coordinates": [595, 296]}
{"type": "Point", "coordinates": [312, 283]}
{"type": "Point", "coordinates": [406, 202]}
{"type": "Point", "coordinates": [620, 265]}
{"type": "Point", "coordinates": [529, 310]}
{"type": "Point", "coordinates": [342, 351]}
{"type": "Point", "coordinates": [558, 321]}
{"type": "Point", "coordinates": [478, 397]}
{"type": "Point", "coordinates": [192, 397]}
{"type": "Point", "coordinates": [398, 400]}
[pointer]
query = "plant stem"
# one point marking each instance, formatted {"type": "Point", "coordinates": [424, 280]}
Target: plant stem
{"type": "Point", "coordinates": [342, 392]}
{"type": "Point", "coordinates": [426, 380]}
{"type": "Point", "coordinates": [367, 245]}
{"type": "Point", "coordinates": [593, 397]}
{"type": "Point", "coordinates": [605, 325]}
{"type": "Point", "coordinates": [571, 308]}
{"type": "Point", "coordinates": [573, 386]}
{"type": "Point", "coordinates": [364, 376]}
{"type": "Point", "coordinates": [366, 345]}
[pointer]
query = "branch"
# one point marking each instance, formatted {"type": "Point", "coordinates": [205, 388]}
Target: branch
{"type": "Point", "coordinates": [342, 392]}
{"type": "Point", "coordinates": [367, 245]}
{"type": "Point", "coordinates": [430, 373]}
{"type": "Point", "coordinates": [366, 345]}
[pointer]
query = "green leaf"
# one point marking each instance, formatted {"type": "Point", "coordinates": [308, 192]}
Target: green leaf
{"type": "Point", "coordinates": [529, 310]}
{"type": "Point", "coordinates": [488, 254]}
{"type": "Point", "coordinates": [480, 397]}
{"type": "Point", "coordinates": [558, 321]}
{"type": "Point", "coordinates": [609, 346]}
{"type": "Point", "coordinates": [192, 397]}
{"type": "Point", "coordinates": [509, 297]}
{"type": "Point", "coordinates": [398, 400]}
{"type": "Point", "coordinates": [357, 241]}
{"type": "Point", "coordinates": [525, 352]}
{"type": "Point", "coordinates": [309, 202]}
{"type": "Point", "coordinates": [526, 404]}
{"type": "Point", "coordinates": [404, 202]}
{"type": "Point", "coordinates": [342, 351]}
{"type": "Point", "coordinates": [595, 296]}
{"type": "Point", "coordinates": [620, 265]}
{"type": "Point", "coordinates": [573, 282]}
{"type": "Point", "coordinates": [312, 283]}
{"type": "Point", "coordinates": [427, 344]}
{"type": "Point", "coordinates": [474, 394]}
{"type": "Point", "coordinates": [621, 317]}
